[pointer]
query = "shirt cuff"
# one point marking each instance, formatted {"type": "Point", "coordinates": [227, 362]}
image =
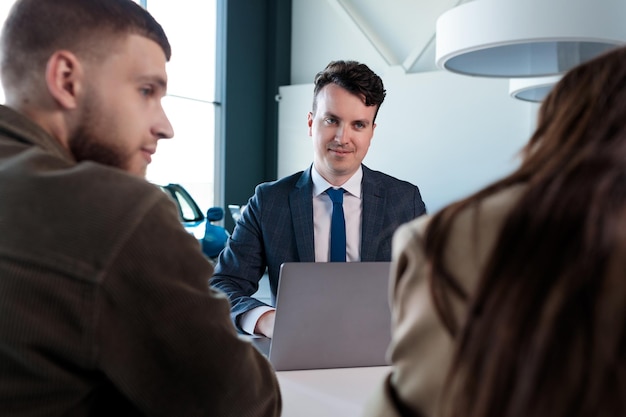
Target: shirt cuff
{"type": "Point", "coordinates": [249, 319]}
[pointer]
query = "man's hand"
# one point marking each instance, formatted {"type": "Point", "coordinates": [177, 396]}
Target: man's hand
{"type": "Point", "coordinates": [265, 324]}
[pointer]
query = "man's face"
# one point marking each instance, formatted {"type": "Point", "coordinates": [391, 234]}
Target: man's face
{"type": "Point", "coordinates": [342, 129]}
{"type": "Point", "coordinates": [120, 118]}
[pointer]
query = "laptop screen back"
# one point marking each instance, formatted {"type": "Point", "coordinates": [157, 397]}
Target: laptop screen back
{"type": "Point", "coordinates": [331, 315]}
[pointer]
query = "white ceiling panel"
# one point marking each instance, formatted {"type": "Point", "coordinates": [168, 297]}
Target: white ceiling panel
{"type": "Point", "coordinates": [402, 31]}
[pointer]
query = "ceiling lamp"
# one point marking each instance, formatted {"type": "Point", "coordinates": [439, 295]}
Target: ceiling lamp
{"type": "Point", "coordinates": [527, 38]}
{"type": "Point", "coordinates": [532, 89]}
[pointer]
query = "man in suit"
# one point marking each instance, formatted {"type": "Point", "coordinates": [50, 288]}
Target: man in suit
{"type": "Point", "coordinates": [289, 220]}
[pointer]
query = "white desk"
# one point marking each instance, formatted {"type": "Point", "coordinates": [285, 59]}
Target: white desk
{"type": "Point", "coordinates": [342, 392]}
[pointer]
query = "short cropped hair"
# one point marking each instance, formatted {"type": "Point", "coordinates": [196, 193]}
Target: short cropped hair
{"type": "Point", "coordinates": [356, 78]}
{"type": "Point", "coordinates": [35, 29]}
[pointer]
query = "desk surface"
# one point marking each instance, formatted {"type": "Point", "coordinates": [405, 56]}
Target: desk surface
{"type": "Point", "coordinates": [329, 392]}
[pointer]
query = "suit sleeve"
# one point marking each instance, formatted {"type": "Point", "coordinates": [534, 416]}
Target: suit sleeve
{"type": "Point", "coordinates": [420, 207]}
{"type": "Point", "coordinates": [241, 264]}
{"type": "Point", "coordinates": [166, 339]}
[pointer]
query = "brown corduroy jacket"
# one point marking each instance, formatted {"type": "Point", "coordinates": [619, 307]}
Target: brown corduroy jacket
{"type": "Point", "coordinates": [105, 307]}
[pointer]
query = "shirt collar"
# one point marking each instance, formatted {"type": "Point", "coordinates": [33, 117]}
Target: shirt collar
{"type": "Point", "coordinates": [352, 186]}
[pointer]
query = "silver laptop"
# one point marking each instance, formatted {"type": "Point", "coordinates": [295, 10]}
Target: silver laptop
{"type": "Point", "coordinates": [331, 315]}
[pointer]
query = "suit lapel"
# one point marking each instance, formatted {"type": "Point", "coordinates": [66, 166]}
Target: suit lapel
{"type": "Point", "coordinates": [372, 215]}
{"type": "Point", "coordinates": [301, 205]}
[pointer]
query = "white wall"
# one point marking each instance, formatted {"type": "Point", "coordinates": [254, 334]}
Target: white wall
{"type": "Point", "coordinates": [448, 134]}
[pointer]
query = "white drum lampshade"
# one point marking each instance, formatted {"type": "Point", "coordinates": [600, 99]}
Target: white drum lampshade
{"type": "Point", "coordinates": [532, 89]}
{"type": "Point", "coordinates": [527, 38]}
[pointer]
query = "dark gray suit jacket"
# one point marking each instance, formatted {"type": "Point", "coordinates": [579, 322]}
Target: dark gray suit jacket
{"type": "Point", "coordinates": [277, 227]}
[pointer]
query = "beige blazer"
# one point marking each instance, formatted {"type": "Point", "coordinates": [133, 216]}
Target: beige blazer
{"type": "Point", "coordinates": [421, 349]}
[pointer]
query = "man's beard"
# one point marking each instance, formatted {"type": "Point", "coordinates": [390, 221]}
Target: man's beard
{"type": "Point", "coordinates": [87, 142]}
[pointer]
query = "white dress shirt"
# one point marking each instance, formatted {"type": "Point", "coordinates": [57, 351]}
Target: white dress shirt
{"type": "Point", "coordinates": [323, 210]}
{"type": "Point", "coordinates": [322, 213]}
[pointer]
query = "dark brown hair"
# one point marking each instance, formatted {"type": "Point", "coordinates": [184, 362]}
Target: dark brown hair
{"type": "Point", "coordinates": [545, 333]}
{"type": "Point", "coordinates": [356, 78]}
{"type": "Point", "coordinates": [35, 29]}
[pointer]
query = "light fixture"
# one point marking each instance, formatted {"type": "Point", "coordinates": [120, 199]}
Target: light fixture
{"type": "Point", "coordinates": [532, 89]}
{"type": "Point", "coordinates": [527, 38]}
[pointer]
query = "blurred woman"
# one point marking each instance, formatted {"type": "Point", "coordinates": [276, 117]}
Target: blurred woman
{"type": "Point", "coordinates": [512, 301]}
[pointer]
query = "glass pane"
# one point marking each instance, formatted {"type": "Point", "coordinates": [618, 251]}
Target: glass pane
{"type": "Point", "coordinates": [187, 158]}
{"type": "Point", "coordinates": [191, 30]}
{"type": "Point", "coordinates": [5, 6]}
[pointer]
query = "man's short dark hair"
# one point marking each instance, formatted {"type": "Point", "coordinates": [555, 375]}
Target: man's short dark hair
{"type": "Point", "coordinates": [35, 29]}
{"type": "Point", "coordinates": [356, 78]}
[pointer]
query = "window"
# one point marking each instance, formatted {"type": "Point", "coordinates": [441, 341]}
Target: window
{"type": "Point", "coordinates": [189, 158]}
{"type": "Point", "coordinates": [5, 6]}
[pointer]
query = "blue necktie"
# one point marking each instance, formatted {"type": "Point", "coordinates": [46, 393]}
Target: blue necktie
{"type": "Point", "coordinates": [337, 227]}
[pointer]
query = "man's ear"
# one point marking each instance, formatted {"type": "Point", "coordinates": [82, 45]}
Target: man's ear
{"type": "Point", "coordinates": [64, 77]}
{"type": "Point", "coordinates": [310, 122]}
